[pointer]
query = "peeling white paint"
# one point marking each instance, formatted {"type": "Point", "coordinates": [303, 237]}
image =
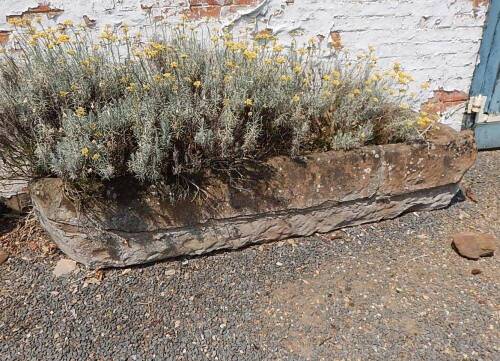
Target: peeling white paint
{"type": "Point", "coordinates": [436, 40]}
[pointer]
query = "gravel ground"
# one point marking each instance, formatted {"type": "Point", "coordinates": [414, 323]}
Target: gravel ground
{"type": "Point", "coordinates": [389, 291]}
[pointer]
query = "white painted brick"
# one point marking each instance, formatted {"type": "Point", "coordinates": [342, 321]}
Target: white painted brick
{"type": "Point", "coordinates": [436, 40]}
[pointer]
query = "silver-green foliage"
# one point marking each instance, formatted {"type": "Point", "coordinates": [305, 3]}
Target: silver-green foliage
{"type": "Point", "coordinates": [86, 110]}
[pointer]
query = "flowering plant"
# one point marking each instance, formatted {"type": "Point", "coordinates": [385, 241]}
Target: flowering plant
{"type": "Point", "coordinates": [89, 110]}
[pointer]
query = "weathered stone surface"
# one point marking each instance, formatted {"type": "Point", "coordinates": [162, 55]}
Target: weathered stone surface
{"type": "Point", "coordinates": [474, 245]}
{"type": "Point", "coordinates": [4, 256]}
{"type": "Point", "coordinates": [321, 193]}
{"type": "Point", "coordinates": [13, 191]}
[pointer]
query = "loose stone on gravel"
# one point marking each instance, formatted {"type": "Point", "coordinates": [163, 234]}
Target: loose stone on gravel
{"type": "Point", "coordinates": [64, 267]}
{"type": "Point", "coordinates": [474, 245]}
{"type": "Point", "coordinates": [169, 272]}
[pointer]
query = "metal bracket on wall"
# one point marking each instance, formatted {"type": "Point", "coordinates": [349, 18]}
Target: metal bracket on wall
{"type": "Point", "coordinates": [486, 126]}
{"type": "Point", "coordinates": [475, 107]}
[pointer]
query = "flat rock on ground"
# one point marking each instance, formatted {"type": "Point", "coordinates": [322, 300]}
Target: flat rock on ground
{"type": "Point", "coordinates": [474, 245]}
{"type": "Point", "coordinates": [64, 267]}
{"type": "Point", "coordinates": [394, 290]}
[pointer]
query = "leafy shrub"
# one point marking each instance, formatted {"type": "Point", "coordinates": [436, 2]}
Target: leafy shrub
{"type": "Point", "coordinates": [90, 110]}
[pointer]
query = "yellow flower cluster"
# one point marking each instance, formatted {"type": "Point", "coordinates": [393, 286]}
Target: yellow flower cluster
{"type": "Point", "coordinates": [278, 48]}
{"type": "Point", "coordinates": [373, 79]}
{"type": "Point", "coordinates": [250, 55]}
{"type": "Point", "coordinates": [132, 87]}
{"type": "Point", "coordinates": [424, 120]}
{"type": "Point", "coordinates": [280, 60]}
{"type": "Point", "coordinates": [151, 51]}
{"type": "Point", "coordinates": [80, 112]}
{"type": "Point", "coordinates": [19, 22]}
{"type": "Point", "coordinates": [85, 151]}
{"type": "Point", "coordinates": [403, 78]}
{"type": "Point", "coordinates": [88, 61]}
{"type": "Point", "coordinates": [231, 64]}
{"type": "Point", "coordinates": [62, 39]}
{"type": "Point", "coordinates": [235, 45]}
{"type": "Point", "coordinates": [108, 35]}
{"type": "Point", "coordinates": [53, 38]}
{"type": "Point", "coordinates": [302, 51]}
{"type": "Point", "coordinates": [40, 35]}
{"type": "Point", "coordinates": [426, 85]}
{"type": "Point", "coordinates": [264, 35]}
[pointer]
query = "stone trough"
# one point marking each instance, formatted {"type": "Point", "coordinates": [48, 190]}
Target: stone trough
{"type": "Point", "coordinates": [320, 192]}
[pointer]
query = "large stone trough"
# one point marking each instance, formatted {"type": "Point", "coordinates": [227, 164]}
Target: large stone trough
{"type": "Point", "coordinates": [319, 193]}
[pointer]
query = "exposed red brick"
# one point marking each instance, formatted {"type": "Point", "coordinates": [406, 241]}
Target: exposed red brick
{"type": "Point", "coordinates": [443, 100]}
{"type": "Point", "coordinates": [4, 36]}
{"type": "Point", "coordinates": [42, 8]}
{"type": "Point", "coordinates": [198, 12]}
{"type": "Point", "coordinates": [214, 8]}
{"type": "Point", "coordinates": [195, 3]}
{"type": "Point", "coordinates": [241, 5]}
{"type": "Point", "coordinates": [478, 3]}
{"type": "Point", "coordinates": [245, 2]}
{"type": "Point", "coordinates": [336, 40]}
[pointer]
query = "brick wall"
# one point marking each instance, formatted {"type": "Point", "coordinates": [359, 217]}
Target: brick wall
{"type": "Point", "coordinates": [436, 40]}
